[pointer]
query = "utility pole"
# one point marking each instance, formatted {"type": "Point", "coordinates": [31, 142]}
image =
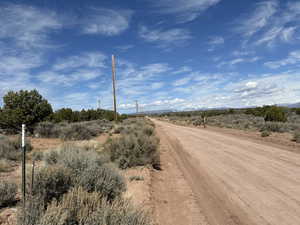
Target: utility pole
{"type": "Point", "coordinates": [114, 86]}
{"type": "Point", "coordinates": [137, 106]}
{"type": "Point", "coordinates": [99, 103]}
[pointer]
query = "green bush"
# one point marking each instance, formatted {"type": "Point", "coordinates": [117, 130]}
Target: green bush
{"type": "Point", "coordinates": [275, 114]}
{"type": "Point", "coordinates": [23, 107]}
{"type": "Point", "coordinates": [50, 183]}
{"type": "Point", "coordinates": [274, 127]}
{"type": "Point", "coordinates": [51, 157]}
{"type": "Point", "coordinates": [265, 133]}
{"type": "Point", "coordinates": [103, 179]}
{"type": "Point", "coordinates": [10, 148]}
{"type": "Point", "coordinates": [75, 158]}
{"type": "Point", "coordinates": [77, 131]}
{"type": "Point", "coordinates": [296, 137]}
{"type": "Point", "coordinates": [47, 130]}
{"type": "Point", "coordinates": [81, 207]}
{"type": "Point", "coordinates": [134, 150]}
{"type": "Point", "coordinates": [8, 193]}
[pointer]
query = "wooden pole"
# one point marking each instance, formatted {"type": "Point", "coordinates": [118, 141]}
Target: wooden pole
{"type": "Point", "coordinates": [137, 106]}
{"type": "Point", "coordinates": [114, 86]}
{"type": "Point", "coordinates": [23, 167]}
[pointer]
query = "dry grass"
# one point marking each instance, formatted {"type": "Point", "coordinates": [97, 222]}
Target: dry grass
{"type": "Point", "coordinates": [8, 193]}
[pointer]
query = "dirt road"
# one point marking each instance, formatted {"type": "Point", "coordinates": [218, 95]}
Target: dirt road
{"type": "Point", "coordinates": [214, 178]}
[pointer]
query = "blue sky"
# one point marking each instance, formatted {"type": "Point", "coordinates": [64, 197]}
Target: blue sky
{"type": "Point", "coordinates": [171, 54]}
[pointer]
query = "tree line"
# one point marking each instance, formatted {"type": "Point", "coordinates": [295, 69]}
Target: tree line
{"type": "Point", "coordinates": [30, 108]}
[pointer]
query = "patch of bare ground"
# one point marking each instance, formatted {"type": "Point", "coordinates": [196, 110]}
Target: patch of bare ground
{"type": "Point", "coordinates": [138, 181]}
{"type": "Point", "coordinates": [171, 196]}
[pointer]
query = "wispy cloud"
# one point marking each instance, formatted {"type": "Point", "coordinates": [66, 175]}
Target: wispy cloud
{"type": "Point", "coordinates": [163, 38]}
{"type": "Point", "coordinates": [293, 58]}
{"type": "Point", "coordinates": [236, 61]}
{"type": "Point", "coordinates": [106, 21]}
{"type": "Point", "coordinates": [185, 10]}
{"type": "Point", "coordinates": [259, 18]}
{"type": "Point", "coordinates": [26, 25]}
{"type": "Point", "coordinates": [216, 41]}
{"type": "Point", "coordinates": [89, 59]}
{"type": "Point", "coordinates": [271, 23]}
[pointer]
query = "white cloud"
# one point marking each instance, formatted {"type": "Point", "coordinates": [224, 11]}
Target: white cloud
{"type": "Point", "coordinates": [293, 58]}
{"type": "Point", "coordinates": [157, 85]}
{"type": "Point", "coordinates": [89, 59]}
{"type": "Point", "coordinates": [124, 48]}
{"type": "Point", "coordinates": [259, 18]}
{"type": "Point", "coordinates": [216, 41]}
{"type": "Point", "coordinates": [183, 69]}
{"type": "Point", "coordinates": [236, 61]}
{"type": "Point", "coordinates": [271, 23]}
{"type": "Point", "coordinates": [182, 81]}
{"type": "Point", "coordinates": [106, 21]}
{"type": "Point", "coordinates": [27, 26]}
{"type": "Point", "coordinates": [185, 10]}
{"type": "Point", "coordinates": [69, 78]}
{"type": "Point", "coordinates": [176, 36]}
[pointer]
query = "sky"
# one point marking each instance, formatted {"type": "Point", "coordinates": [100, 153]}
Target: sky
{"type": "Point", "coordinates": [170, 54]}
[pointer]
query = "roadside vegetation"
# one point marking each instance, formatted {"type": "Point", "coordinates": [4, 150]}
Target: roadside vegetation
{"type": "Point", "coordinates": [79, 182]}
{"type": "Point", "coordinates": [266, 119]}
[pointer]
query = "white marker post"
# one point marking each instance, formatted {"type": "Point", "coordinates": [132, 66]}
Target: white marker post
{"type": "Point", "coordinates": [23, 166]}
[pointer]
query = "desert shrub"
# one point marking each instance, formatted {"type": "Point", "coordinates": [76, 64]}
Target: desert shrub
{"type": "Point", "coordinates": [37, 155]}
{"type": "Point", "coordinates": [10, 148]}
{"type": "Point", "coordinates": [102, 179]}
{"type": "Point", "coordinates": [8, 193]}
{"type": "Point", "coordinates": [276, 114]}
{"type": "Point", "coordinates": [134, 150]}
{"type": "Point", "coordinates": [34, 209]}
{"type": "Point", "coordinates": [274, 127]}
{"type": "Point", "coordinates": [47, 130]}
{"type": "Point", "coordinates": [296, 137]}
{"type": "Point", "coordinates": [50, 182]}
{"type": "Point", "coordinates": [148, 130]}
{"type": "Point", "coordinates": [77, 131]}
{"type": "Point", "coordinates": [23, 107]}
{"type": "Point", "coordinates": [5, 165]}
{"type": "Point", "coordinates": [81, 207]}
{"type": "Point", "coordinates": [76, 159]}
{"type": "Point", "coordinates": [118, 129]}
{"type": "Point", "coordinates": [265, 133]}
{"type": "Point", "coordinates": [51, 157]}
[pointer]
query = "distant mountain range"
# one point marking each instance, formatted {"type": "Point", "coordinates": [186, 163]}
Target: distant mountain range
{"type": "Point", "coordinates": [294, 105]}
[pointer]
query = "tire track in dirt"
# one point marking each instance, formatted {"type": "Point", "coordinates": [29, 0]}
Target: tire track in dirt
{"type": "Point", "coordinates": [232, 180]}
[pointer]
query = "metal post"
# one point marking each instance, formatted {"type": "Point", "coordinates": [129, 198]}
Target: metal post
{"type": "Point", "coordinates": [114, 86]}
{"type": "Point", "coordinates": [23, 167]}
{"type": "Point", "coordinates": [32, 176]}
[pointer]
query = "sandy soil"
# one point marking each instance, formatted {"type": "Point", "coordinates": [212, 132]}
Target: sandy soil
{"type": "Point", "coordinates": [211, 177]}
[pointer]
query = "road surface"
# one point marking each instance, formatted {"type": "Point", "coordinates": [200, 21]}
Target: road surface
{"type": "Point", "coordinates": [219, 179]}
